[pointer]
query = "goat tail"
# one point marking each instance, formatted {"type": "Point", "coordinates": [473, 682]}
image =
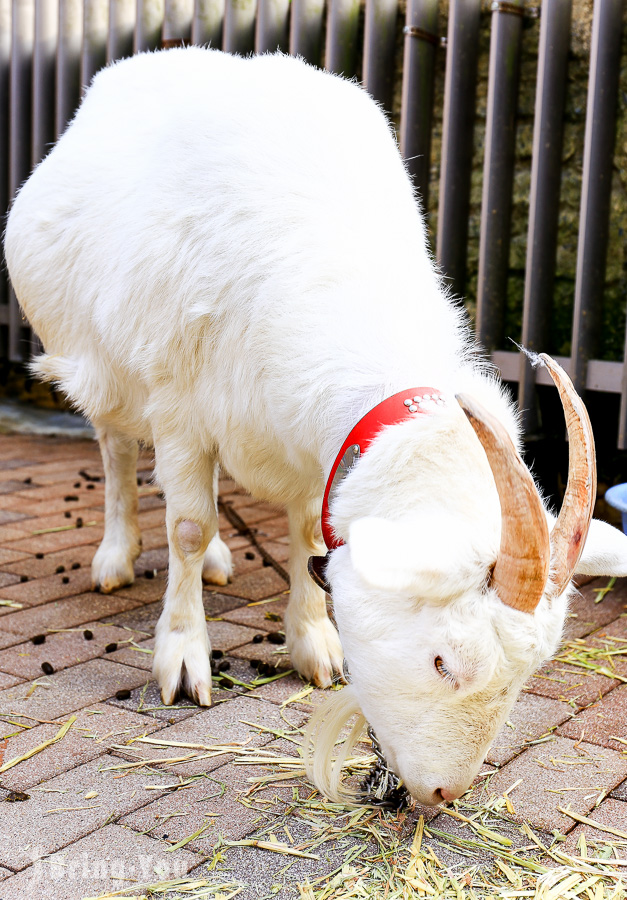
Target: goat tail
{"type": "Point", "coordinates": [53, 367]}
{"type": "Point", "coordinates": [319, 742]}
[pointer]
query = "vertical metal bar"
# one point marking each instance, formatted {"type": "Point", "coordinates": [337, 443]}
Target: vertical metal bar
{"type": "Point", "coordinates": [95, 28]}
{"type": "Point", "coordinates": [208, 22]}
{"type": "Point", "coordinates": [544, 196]}
{"type": "Point", "coordinates": [149, 24]}
{"type": "Point", "coordinates": [272, 31]}
{"type": "Point", "coordinates": [457, 133]}
{"type": "Point", "coordinates": [239, 26]}
{"type": "Point", "coordinates": [68, 61]}
{"type": "Point", "coordinates": [498, 171]}
{"type": "Point", "coordinates": [177, 23]}
{"type": "Point", "coordinates": [342, 50]}
{"type": "Point", "coordinates": [122, 15]}
{"type": "Point", "coordinates": [306, 30]}
{"type": "Point", "coordinates": [44, 65]}
{"type": "Point", "coordinates": [597, 182]}
{"type": "Point", "coordinates": [20, 132]}
{"type": "Point", "coordinates": [5, 68]}
{"type": "Point", "coordinates": [421, 43]}
{"type": "Point", "coordinates": [379, 50]}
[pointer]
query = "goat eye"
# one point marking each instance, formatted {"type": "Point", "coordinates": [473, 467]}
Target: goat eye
{"type": "Point", "coordinates": [441, 669]}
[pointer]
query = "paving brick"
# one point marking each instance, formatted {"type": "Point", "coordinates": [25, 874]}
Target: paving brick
{"type": "Point", "coordinates": [10, 556]}
{"type": "Point", "coordinates": [146, 700]}
{"type": "Point", "coordinates": [211, 802]}
{"type": "Point", "coordinates": [151, 560]}
{"type": "Point", "coordinates": [30, 830]}
{"type": "Point", "coordinates": [14, 532]}
{"type": "Point", "coordinates": [58, 492]}
{"type": "Point", "coordinates": [7, 680]}
{"type": "Point", "coordinates": [226, 635]}
{"type": "Point", "coordinates": [601, 722]}
{"type": "Point", "coordinates": [66, 613]}
{"type": "Point", "coordinates": [272, 529]}
{"type": "Point", "coordinates": [38, 568]}
{"type": "Point", "coordinates": [154, 538]}
{"type": "Point", "coordinates": [282, 689]}
{"type": "Point", "coordinates": [556, 774]}
{"type": "Point", "coordinates": [237, 721]}
{"type": "Point", "coordinates": [257, 616]}
{"type": "Point", "coordinates": [106, 861]}
{"type": "Point", "coordinates": [572, 684]}
{"type": "Point", "coordinates": [613, 639]}
{"type": "Point", "coordinates": [7, 579]}
{"type": "Point", "coordinates": [273, 654]}
{"type": "Point", "coordinates": [7, 515]}
{"type": "Point", "coordinates": [585, 615]}
{"type": "Point", "coordinates": [97, 728]}
{"type": "Point", "coordinates": [256, 585]}
{"type": "Point", "coordinates": [8, 639]}
{"type": "Point", "coordinates": [620, 791]}
{"type": "Point", "coordinates": [50, 522]}
{"type": "Point", "coordinates": [531, 717]}
{"type": "Point", "coordinates": [52, 587]}
{"type": "Point", "coordinates": [64, 649]}
{"type": "Point", "coordinates": [61, 693]}
{"type": "Point", "coordinates": [138, 655]}
{"type": "Point", "coordinates": [139, 618]}
{"type": "Point", "coordinates": [612, 813]}
{"type": "Point", "coordinates": [146, 590]}
{"type": "Point", "coordinates": [59, 540]}
{"type": "Point", "coordinates": [217, 604]}
{"type": "Point", "coordinates": [17, 463]}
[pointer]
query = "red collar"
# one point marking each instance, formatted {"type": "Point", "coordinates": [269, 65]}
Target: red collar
{"type": "Point", "coordinates": [404, 405]}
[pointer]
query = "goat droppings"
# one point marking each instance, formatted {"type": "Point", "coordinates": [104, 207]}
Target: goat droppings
{"type": "Point", "coordinates": [47, 669]}
{"type": "Point", "coordinates": [39, 639]}
{"type": "Point", "coordinates": [111, 648]}
{"type": "Point", "coordinates": [122, 695]}
{"type": "Point", "coordinates": [88, 635]}
{"type": "Point", "coordinates": [275, 637]}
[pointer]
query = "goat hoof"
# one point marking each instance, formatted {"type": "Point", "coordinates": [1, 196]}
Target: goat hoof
{"type": "Point", "coordinates": [181, 661]}
{"type": "Point", "coordinates": [217, 565]}
{"type": "Point", "coordinates": [111, 569]}
{"type": "Point", "coordinates": [315, 651]}
{"type": "Point", "coordinates": [201, 694]}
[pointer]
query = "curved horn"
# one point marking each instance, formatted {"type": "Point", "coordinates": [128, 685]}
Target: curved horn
{"type": "Point", "coordinates": [522, 568]}
{"type": "Point", "coordinates": [569, 533]}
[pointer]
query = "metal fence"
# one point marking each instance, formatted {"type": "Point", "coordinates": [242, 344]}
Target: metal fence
{"type": "Point", "coordinates": [50, 49]}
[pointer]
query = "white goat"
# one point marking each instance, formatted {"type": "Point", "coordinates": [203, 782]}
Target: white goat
{"type": "Point", "coordinates": [224, 259]}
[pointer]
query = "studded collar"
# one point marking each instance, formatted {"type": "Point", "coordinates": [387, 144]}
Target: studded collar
{"type": "Point", "coordinates": [402, 406]}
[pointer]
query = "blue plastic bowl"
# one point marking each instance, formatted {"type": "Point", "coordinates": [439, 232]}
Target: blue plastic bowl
{"type": "Point", "coordinates": [617, 497]}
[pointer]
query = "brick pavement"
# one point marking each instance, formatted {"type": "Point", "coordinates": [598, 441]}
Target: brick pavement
{"type": "Point", "coordinates": [95, 821]}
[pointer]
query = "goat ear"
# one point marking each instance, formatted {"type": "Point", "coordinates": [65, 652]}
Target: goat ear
{"type": "Point", "coordinates": [414, 556]}
{"type": "Point", "coordinates": [605, 551]}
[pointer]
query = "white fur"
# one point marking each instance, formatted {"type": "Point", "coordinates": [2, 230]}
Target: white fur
{"type": "Point", "coordinates": [223, 258]}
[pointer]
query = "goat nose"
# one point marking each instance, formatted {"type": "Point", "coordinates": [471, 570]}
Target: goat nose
{"type": "Point", "coordinates": [449, 796]}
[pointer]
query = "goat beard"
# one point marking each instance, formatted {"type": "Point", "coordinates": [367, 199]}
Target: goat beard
{"type": "Point", "coordinates": [322, 764]}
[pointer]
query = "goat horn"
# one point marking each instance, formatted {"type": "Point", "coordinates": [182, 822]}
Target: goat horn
{"type": "Point", "coordinates": [570, 531]}
{"type": "Point", "coordinates": [522, 568]}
